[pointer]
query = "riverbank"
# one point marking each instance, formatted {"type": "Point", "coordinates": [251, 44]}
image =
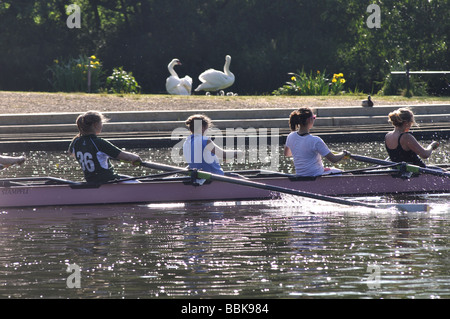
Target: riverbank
{"type": "Point", "coordinates": [162, 128]}
{"type": "Point", "coordinates": [42, 102]}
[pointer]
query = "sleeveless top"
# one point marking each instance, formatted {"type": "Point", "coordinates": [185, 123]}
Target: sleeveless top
{"type": "Point", "coordinates": [400, 155]}
{"type": "Point", "coordinates": [196, 156]}
{"type": "Point", "coordinates": [93, 153]}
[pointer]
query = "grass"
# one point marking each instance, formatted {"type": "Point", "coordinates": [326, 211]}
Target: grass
{"type": "Point", "coordinates": [44, 102]}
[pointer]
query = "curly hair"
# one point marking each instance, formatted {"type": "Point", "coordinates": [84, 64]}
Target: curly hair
{"type": "Point", "coordinates": [205, 120]}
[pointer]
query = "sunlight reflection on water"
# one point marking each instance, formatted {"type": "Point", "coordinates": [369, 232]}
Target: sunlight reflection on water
{"type": "Point", "coordinates": [288, 248]}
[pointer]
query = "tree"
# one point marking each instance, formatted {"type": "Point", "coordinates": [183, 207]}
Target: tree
{"type": "Point", "coordinates": [266, 38]}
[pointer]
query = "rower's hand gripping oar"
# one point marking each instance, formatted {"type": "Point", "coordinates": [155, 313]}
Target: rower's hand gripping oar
{"type": "Point", "coordinates": [246, 182]}
{"type": "Point", "coordinates": [408, 167]}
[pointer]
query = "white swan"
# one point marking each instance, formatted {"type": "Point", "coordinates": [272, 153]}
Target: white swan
{"type": "Point", "coordinates": [213, 80]}
{"type": "Point", "coordinates": [175, 85]}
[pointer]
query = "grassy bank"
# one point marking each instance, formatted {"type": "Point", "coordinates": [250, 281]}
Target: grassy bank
{"type": "Point", "coordinates": [42, 102]}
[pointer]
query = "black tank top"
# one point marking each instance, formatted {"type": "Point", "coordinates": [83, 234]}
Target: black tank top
{"type": "Point", "coordinates": [399, 155]}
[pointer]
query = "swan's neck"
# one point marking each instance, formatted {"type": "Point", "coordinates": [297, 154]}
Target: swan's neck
{"type": "Point", "coordinates": [171, 70]}
{"type": "Point", "coordinates": [226, 67]}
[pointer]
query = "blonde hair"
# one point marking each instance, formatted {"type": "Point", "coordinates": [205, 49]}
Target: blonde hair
{"type": "Point", "coordinates": [190, 122]}
{"type": "Point", "coordinates": [401, 116]}
{"type": "Point", "coordinates": [86, 122]}
{"type": "Point", "coordinates": [300, 117]}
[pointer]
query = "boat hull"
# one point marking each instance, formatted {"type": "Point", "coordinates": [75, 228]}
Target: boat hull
{"type": "Point", "coordinates": [179, 190]}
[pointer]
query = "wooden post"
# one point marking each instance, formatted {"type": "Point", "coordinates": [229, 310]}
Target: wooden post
{"type": "Point", "coordinates": [89, 76]}
{"type": "Point", "coordinates": [408, 85]}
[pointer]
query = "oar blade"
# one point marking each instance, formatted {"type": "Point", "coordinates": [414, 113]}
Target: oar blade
{"type": "Point", "coordinates": [408, 207]}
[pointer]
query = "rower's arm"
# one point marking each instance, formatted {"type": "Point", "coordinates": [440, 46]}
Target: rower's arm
{"type": "Point", "coordinates": [334, 158]}
{"type": "Point", "coordinates": [414, 146]}
{"type": "Point", "coordinates": [129, 157]}
{"type": "Point", "coordinates": [287, 151]}
{"type": "Point", "coordinates": [9, 160]}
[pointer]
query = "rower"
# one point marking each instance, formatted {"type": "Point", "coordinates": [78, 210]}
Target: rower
{"type": "Point", "coordinates": [401, 145]}
{"type": "Point", "coordinates": [199, 151]}
{"type": "Point", "coordinates": [93, 153]}
{"type": "Point", "coordinates": [306, 149]}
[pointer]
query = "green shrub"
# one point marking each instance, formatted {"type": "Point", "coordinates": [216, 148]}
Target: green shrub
{"type": "Point", "coordinates": [72, 75]}
{"type": "Point", "coordinates": [396, 85]}
{"type": "Point", "coordinates": [122, 82]}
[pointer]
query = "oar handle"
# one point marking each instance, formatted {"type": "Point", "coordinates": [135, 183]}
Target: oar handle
{"type": "Point", "coordinates": [408, 167]}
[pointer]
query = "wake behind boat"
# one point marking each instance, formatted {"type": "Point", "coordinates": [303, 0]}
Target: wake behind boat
{"type": "Point", "coordinates": [49, 191]}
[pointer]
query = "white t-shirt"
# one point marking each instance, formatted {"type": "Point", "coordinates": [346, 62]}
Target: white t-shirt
{"type": "Point", "coordinates": [307, 152]}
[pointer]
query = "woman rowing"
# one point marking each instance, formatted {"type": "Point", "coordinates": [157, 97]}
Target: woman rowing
{"type": "Point", "coordinates": [199, 151]}
{"type": "Point", "coordinates": [93, 153]}
{"type": "Point", "coordinates": [307, 150]}
{"type": "Point", "coordinates": [401, 145]}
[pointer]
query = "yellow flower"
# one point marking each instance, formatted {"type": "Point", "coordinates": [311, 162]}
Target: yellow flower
{"type": "Point", "coordinates": [56, 61]}
{"type": "Point", "coordinates": [342, 81]}
{"type": "Point", "coordinates": [334, 80]}
{"type": "Point", "coordinates": [341, 75]}
{"type": "Point", "coordinates": [79, 65]}
{"type": "Point", "coordinates": [293, 78]}
{"type": "Point", "coordinates": [93, 57]}
{"type": "Point", "coordinates": [318, 72]}
{"type": "Point", "coordinates": [335, 76]}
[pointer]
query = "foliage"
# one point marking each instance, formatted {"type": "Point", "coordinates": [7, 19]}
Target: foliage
{"type": "Point", "coordinates": [265, 38]}
{"type": "Point", "coordinates": [337, 83]}
{"type": "Point", "coordinates": [396, 85]}
{"type": "Point", "coordinates": [122, 82]}
{"type": "Point", "coordinates": [73, 75]}
{"type": "Point", "coordinates": [314, 83]}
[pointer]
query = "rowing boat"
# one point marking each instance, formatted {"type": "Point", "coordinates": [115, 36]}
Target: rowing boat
{"type": "Point", "coordinates": [50, 191]}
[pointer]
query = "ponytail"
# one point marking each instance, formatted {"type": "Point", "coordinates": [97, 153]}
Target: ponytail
{"type": "Point", "coordinates": [300, 117]}
{"type": "Point", "coordinates": [85, 122]}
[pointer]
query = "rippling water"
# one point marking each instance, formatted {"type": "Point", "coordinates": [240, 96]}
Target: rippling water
{"type": "Point", "coordinates": [289, 248]}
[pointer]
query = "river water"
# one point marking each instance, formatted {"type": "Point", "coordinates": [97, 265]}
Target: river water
{"type": "Point", "coordinates": [284, 249]}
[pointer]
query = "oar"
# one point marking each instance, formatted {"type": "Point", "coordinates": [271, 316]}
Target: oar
{"type": "Point", "coordinates": [246, 182]}
{"type": "Point", "coordinates": [408, 167]}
